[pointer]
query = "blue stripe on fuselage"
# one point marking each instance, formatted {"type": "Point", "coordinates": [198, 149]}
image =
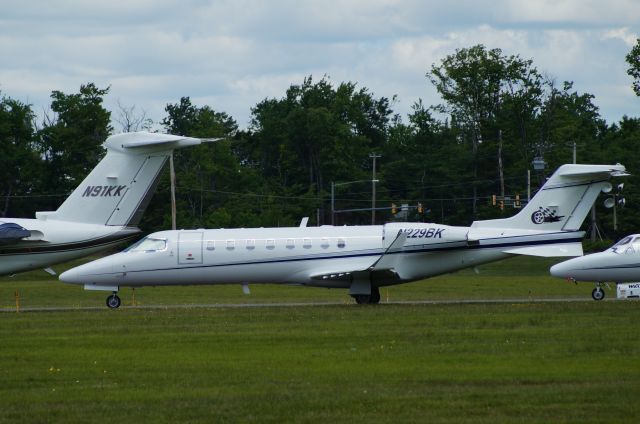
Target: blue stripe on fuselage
{"type": "Point", "coordinates": [460, 245]}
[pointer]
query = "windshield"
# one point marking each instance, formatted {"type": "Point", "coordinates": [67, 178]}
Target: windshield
{"type": "Point", "coordinates": [148, 244]}
{"type": "Point", "coordinates": [619, 247]}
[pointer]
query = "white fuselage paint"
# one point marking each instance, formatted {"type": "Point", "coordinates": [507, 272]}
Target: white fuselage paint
{"type": "Point", "coordinates": [301, 255]}
{"type": "Point", "coordinates": [620, 263]}
{"type": "Point", "coordinates": [54, 242]}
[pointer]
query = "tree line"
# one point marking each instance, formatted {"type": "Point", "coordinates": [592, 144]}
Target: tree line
{"type": "Point", "coordinates": [498, 114]}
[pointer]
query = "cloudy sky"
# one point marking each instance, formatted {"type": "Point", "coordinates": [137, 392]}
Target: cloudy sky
{"type": "Point", "coordinates": [230, 54]}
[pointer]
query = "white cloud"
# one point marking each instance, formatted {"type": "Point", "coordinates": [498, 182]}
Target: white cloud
{"type": "Point", "coordinates": [623, 34]}
{"type": "Point", "coordinates": [234, 53]}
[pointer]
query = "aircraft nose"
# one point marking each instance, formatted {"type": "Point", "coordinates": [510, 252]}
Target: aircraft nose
{"type": "Point", "coordinates": [563, 269]}
{"type": "Point", "coordinates": [92, 272]}
{"type": "Point", "coordinates": [71, 276]}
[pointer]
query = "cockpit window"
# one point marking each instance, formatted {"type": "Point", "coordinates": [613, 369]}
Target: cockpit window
{"type": "Point", "coordinates": [618, 247]}
{"type": "Point", "coordinates": [148, 244]}
{"type": "Point", "coordinates": [622, 242]}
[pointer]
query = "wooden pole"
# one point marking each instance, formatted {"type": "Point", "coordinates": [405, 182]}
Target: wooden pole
{"type": "Point", "coordinates": [173, 192]}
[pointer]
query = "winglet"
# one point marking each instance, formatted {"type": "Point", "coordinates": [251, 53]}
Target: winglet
{"type": "Point", "coordinates": [386, 261]}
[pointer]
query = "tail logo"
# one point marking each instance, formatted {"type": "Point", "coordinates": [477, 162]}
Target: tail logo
{"type": "Point", "coordinates": [543, 215]}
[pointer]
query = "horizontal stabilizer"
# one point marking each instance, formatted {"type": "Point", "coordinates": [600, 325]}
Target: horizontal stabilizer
{"type": "Point", "coordinates": [142, 139]}
{"type": "Point", "coordinates": [548, 251]}
{"type": "Point", "coordinates": [593, 171]}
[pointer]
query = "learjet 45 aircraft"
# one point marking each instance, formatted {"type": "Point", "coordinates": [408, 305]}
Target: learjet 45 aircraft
{"type": "Point", "coordinates": [102, 211]}
{"type": "Point", "coordinates": [620, 264]}
{"type": "Point", "coordinates": [359, 258]}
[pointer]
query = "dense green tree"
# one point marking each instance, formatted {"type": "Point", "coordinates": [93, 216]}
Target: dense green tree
{"type": "Point", "coordinates": [419, 163]}
{"type": "Point", "coordinates": [71, 141]}
{"type": "Point", "coordinates": [20, 165]}
{"type": "Point", "coordinates": [204, 173]}
{"type": "Point", "coordinates": [481, 88]}
{"type": "Point", "coordinates": [317, 133]}
{"type": "Point", "coordinates": [568, 117]}
{"type": "Point", "coordinates": [619, 143]}
{"type": "Point", "coordinates": [633, 59]}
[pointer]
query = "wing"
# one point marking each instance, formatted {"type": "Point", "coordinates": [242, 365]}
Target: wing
{"type": "Point", "coordinates": [382, 268]}
{"type": "Point", "coordinates": [10, 233]}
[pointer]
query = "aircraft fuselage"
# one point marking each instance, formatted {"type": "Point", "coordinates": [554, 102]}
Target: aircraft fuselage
{"type": "Point", "coordinates": [315, 256]}
{"type": "Point", "coordinates": [53, 242]}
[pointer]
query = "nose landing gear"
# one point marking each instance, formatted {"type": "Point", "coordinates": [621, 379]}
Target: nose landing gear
{"type": "Point", "coordinates": [113, 301]}
{"type": "Point", "coordinates": [597, 293]}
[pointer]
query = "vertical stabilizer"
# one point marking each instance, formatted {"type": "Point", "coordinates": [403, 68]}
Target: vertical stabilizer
{"type": "Point", "coordinates": [564, 200]}
{"type": "Point", "coordinates": [120, 187]}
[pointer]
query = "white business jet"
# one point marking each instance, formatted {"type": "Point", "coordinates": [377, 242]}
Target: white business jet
{"type": "Point", "coordinates": [620, 263]}
{"type": "Point", "coordinates": [359, 258]}
{"type": "Point", "coordinates": [100, 213]}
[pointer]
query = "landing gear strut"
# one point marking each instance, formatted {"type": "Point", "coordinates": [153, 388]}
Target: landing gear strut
{"type": "Point", "coordinates": [113, 301]}
{"type": "Point", "coordinates": [597, 293]}
{"type": "Point", "coordinates": [365, 299]}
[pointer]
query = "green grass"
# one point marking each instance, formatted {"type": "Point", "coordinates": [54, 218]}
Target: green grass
{"type": "Point", "coordinates": [570, 362]}
{"type": "Point", "coordinates": [475, 363]}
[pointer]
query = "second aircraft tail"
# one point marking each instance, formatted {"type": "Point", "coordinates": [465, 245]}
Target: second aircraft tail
{"type": "Point", "coordinates": [564, 200]}
{"type": "Point", "coordinates": [119, 188]}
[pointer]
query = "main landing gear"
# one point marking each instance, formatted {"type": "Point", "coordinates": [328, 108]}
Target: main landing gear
{"type": "Point", "coordinates": [597, 293]}
{"type": "Point", "coordinates": [365, 299]}
{"type": "Point", "coordinates": [113, 301]}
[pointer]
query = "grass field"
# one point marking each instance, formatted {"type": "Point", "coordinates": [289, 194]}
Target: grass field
{"type": "Point", "coordinates": [509, 362]}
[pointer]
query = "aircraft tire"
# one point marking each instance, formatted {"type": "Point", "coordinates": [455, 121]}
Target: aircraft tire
{"type": "Point", "coordinates": [362, 299]}
{"type": "Point", "coordinates": [113, 301]}
{"type": "Point", "coordinates": [597, 293]}
{"type": "Point", "coordinates": [375, 295]}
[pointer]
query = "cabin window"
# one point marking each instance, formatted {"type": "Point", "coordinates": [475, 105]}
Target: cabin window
{"type": "Point", "coordinates": [251, 244]}
{"type": "Point", "coordinates": [291, 243]}
{"type": "Point", "coordinates": [211, 245]}
{"type": "Point", "coordinates": [271, 244]}
{"type": "Point", "coordinates": [306, 243]}
{"type": "Point", "coordinates": [325, 243]}
{"type": "Point", "coordinates": [231, 244]}
{"type": "Point", "coordinates": [341, 243]}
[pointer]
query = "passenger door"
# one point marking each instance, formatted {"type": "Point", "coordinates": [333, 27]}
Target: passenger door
{"type": "Point", "coordinates": [190, 248]}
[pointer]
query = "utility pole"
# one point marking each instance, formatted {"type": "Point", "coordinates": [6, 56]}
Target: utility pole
{"type": "Point", "coordinates": [333, 203]}
{"type": "Point", "coordinates": [173, 192]}
{"type": "Point", "coordinates": [373, 156]}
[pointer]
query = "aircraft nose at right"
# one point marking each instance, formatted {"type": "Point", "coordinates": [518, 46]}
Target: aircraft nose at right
{"type": "Point", "coordinates": [566, 269]}
{"type": "Point", "coordinates": [72, 276]}
{"type": "Point", "coordinates": [573, 268]}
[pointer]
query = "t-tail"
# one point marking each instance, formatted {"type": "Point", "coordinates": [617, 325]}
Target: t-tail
{"type": "Point", "coordinates": [549, 224]}
{"type": "Point", "coordinates": [119, 188]}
